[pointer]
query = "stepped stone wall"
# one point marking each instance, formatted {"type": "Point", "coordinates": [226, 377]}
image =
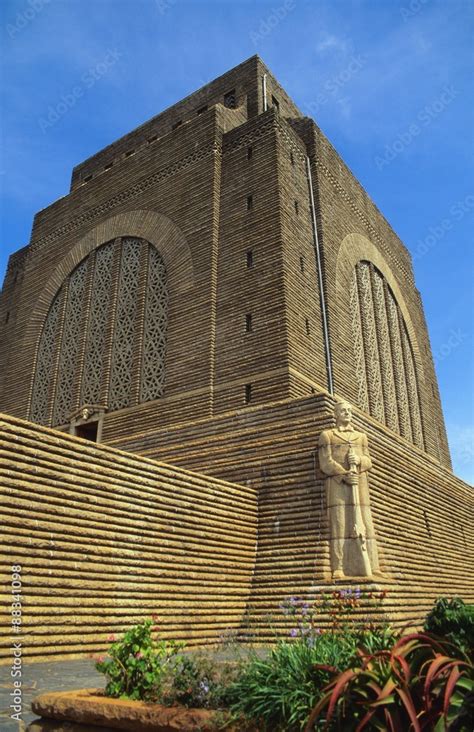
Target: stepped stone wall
{"type": "Point", "coordinates": [423, 515]}
{"type": "Point", "coordinates": [105, 539]}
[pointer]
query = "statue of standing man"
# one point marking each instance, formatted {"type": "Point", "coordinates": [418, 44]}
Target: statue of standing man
{"type": "Point", "coordinates": [344, 458]}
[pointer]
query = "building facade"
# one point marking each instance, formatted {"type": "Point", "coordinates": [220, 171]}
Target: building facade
{"type": "Point", "coordinates": [211, 283]}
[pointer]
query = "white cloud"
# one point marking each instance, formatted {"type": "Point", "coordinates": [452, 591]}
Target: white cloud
{"type": "Point", "coordinates": [330, 42]}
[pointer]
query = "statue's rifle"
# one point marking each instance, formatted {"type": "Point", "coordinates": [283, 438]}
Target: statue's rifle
{"type": "Point", "coordinates": [358, 529]}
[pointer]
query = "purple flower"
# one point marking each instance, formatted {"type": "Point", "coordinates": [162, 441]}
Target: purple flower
{"type": "Point", "coordinates": [357, 593]}
{"type": "Point", "coordinates": [294, 632]}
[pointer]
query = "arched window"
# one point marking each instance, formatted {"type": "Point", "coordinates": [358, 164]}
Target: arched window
{"type": "Point", "coordinates": [103, 342]}
{"type": "Point", "coordinates": [385, 367]}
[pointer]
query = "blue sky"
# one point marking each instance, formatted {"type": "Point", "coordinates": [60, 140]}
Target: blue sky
{"type": "Point", "coordinates": [388, 82]}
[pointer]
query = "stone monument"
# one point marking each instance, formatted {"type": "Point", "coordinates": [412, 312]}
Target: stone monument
{"type": "Point", "coordinates": [344, 458]}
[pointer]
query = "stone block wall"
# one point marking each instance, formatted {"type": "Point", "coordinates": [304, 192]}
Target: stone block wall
{"type": "Point", "coordinates": [423, 515]}
{"type": "Point", "coordinates": [105, 539]}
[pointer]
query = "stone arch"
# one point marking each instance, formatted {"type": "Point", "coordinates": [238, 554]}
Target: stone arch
{"type": "Point", "coordinates": [151, 226]}
{"type": "Point", "coordinates": [387, 366]}
{"type": "Point", "coordinates": [353, 249]}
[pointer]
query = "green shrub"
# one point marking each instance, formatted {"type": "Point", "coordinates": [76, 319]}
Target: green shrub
{"type": "Point", "coordinates": [453, 620]}
{"type": "Point", "coordinates": [198, 681]}
{"type": "Point", "coordinates": [415, 686]}
{"type": "Point", "coordinates": [278, 692]}
{"type": "Point", "coordinates": [137, 665]}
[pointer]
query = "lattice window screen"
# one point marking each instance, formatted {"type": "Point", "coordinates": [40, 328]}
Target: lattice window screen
{"type": "Point", "coordinates": [125, 326]}
{"type": "Point", "coordinates": [412, 387]}
{"type": "Point", "coordinates": [110, 337]}
{"type": "Point", "coordinates": [385, 354]}
{"type": "Point", "coordinates": [385, 366]}
{"type": "Point", "coordinates": [371, 347]}
{"type": "Point", "coordinates": [70, 345]}
{"type": "Point", "coordinates": [94, 360]}
{"type": "Point", "coordinates": [45, 363]}
{"type": "Point", "coordinates": [398, 366]}
{"type": "Point", "coordinates": [358, 343]}
{"type": "Point", "coordinates": [156, 321]}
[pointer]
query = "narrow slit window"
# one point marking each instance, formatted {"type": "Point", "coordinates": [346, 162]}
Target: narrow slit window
{"type": "Point", "coordinates": [108, 166]}
{"type": "Point", "coordinates": [249, 258]}
{"type": "Point", "coordinates": [292, 158]}
{"type": "Point", "coordinates": [129, 153]}
{"type": "Point", "coordinates": [248, 393]}
{"type": "Point", "coordinates": [302, 264]}
{"type": "Point", "coordinates": [152, 139]}
{"type": "Point", "coordinates": [248, 323]}
{"type": "Point", "coordinates": [177, 124]}
{"type": "Point", "coordinates": [249, 153]}
{"type": "Point", "coordinates": [306, 323]}
{"type": "Point", "coordinates": [275, 103]}
{"type": "Point", "coordinates": [230, 99]}
{"type": "Point", "coordinates": [87, 178]}
{"type": "Point", "coordinates": [297, 208]}
{"type": "Point", "coordinates": [7, 316]}
{"type": "Point", "coordinates": [249, 203]}
{"type": "Point", "coordinates": [202, 110]}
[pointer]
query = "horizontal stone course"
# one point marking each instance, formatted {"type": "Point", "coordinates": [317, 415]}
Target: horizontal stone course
{"type": "Point", "coordinates": [106, 538]}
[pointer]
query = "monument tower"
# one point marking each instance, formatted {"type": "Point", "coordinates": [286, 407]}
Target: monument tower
{"type": "Point", "coordinates": [212, 283]}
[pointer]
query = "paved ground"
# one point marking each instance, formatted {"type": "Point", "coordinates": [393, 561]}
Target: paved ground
{"type": "Point", "coordinates": [39, 677]}
{"type": "Point", "coordinates": [63, 675]}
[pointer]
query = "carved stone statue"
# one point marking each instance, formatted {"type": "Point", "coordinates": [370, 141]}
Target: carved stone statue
{"type": "Point", "coordinates": [345, 460]}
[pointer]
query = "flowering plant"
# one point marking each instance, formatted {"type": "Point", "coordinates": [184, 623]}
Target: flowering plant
{"type": "Point", "coordinates": [344, 612]}
{"type": "Point", "coordinates": [137, 663]}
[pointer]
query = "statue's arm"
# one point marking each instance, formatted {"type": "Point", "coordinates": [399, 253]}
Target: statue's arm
{"type": "Point", "coordinates": [365, 461]}
{"type": "Point", "coordinates": [328, 465]}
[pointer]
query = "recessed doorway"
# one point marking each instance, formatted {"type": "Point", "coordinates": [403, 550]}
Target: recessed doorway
{"type": "Point", "coordinates": [87, 431]}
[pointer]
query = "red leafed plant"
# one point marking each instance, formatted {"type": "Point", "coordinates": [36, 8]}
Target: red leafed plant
{"type": "Point", "coordinates": [416, 686]}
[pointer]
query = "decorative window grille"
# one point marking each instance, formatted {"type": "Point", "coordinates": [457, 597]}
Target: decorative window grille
{"type": "Point", "coordinates": [125, 327]}
{"type": "Point", "coordinates": [68, 357]}
{"type": "Point", "coordinates": [98, 346]}
{"type": "Point", "coordinates": [94, 359]}
{"type": "Point", "coordinates": [387, 383]}
{"type": "Point", "coordinates": [45, 364]}
{"type": "Point", "coordinates": [154, 337]}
